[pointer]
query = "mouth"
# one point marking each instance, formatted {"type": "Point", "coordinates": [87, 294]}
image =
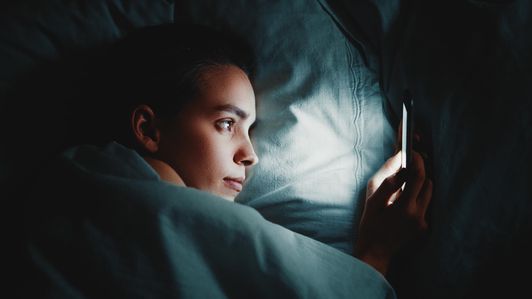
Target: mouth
{"type": "Point", "coordinates": [234, 183]}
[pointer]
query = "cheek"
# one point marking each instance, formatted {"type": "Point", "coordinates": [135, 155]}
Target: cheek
{"type": "Point", "coordinates": [216, 154]}
{"type": "Point", "coordinates": [207, 154]}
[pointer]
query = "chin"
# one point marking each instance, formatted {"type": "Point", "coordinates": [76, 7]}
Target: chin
{"type": "Point", "coordinates": [226, 193]}
{"type": "Point", "coordinates": [228, 197]}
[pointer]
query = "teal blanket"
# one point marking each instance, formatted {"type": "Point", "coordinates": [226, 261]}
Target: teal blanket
{"type": "Point", "coordinates": [101, 224]}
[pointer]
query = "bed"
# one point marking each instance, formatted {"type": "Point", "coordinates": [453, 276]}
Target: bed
{"type": "Point", "coordinates": [468, 65]}
{"type": "Point", "coordinates": [329, 77]}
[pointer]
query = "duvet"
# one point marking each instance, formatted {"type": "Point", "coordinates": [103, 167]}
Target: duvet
{"type": "Point", "coordinates": [100, 223]}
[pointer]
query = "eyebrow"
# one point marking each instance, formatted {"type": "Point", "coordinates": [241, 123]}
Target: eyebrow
{"type": "Point", "coordinates": [232, 109]}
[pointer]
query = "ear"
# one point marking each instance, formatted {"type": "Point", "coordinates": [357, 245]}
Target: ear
{"type": "Point", "coordinates": [145, 128]}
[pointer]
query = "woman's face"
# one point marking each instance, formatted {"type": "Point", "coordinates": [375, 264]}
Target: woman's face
{"type": "Point", "coordinates": [208, 143]}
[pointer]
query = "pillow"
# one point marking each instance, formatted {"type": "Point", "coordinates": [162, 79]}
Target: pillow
{"type": "Point", "coordinates": [471, 82]}
{"type": "Point", "coordinates": [321, 131]}
{"type": "Point", "coordinates": [34, 35]}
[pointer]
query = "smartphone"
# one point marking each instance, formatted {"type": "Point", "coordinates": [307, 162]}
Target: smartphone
{"type": "Point", "coordinates": [407, 129]}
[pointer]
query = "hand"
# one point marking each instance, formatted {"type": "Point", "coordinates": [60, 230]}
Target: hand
{"type": "Point", "coordinates": [418, 145]}
{"type": "Point", "coordinates": [393, 217]}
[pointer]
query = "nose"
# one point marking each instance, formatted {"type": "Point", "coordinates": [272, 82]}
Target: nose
{"type": "Point", "coordinates": [246, 155]}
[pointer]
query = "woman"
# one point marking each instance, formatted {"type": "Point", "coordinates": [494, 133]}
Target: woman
{"type": "Point", "coordinates": [186, 105]}
{"type": "Point", "coordinates": [205, 143]}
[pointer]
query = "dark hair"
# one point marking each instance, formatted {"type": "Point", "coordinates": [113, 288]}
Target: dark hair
{"type": "Point", "coordinates": [161, 66]}
{"type": "Point", "coordinates": [85, 95]}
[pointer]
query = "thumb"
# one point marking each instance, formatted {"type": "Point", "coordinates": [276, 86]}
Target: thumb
{"type": "Point", "coordinates": [389, 187]}
{"type": "Point", "coordinates": [390, 167]}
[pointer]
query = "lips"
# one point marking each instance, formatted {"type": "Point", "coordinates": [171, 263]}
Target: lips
{"type": "Point", "coordinates": [234, 183]}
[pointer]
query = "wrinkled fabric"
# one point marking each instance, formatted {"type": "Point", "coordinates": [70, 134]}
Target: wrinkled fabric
{"type": "Point", "coordinates": [101, 224]}
{"type": "Point", "coordinates": [468, 65]}
{"type": "Point", "coordinates": [321, 127]}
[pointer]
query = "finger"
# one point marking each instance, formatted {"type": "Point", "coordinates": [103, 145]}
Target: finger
{"type": "Point", "coordinates": [414, 182]}
{"type": "Point", "coordinates": [388, 188]}
{"type": "Point", "coordinates": [390, 167]}
{"type": "Point", "coordinates": [394, 196]}
{"type": "Point", "coordinates": [424, 198]}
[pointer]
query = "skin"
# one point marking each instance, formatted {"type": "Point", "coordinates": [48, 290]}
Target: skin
{"type": "Point", "coordinates": [207, 146]}
{"type": "Point", "coordinates": [392, 217]}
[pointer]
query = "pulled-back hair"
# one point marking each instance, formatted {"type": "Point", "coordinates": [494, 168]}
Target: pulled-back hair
{"type": "Point", "coordinates": [161, 66]}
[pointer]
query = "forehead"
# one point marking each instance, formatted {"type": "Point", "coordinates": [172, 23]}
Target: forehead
{"type": "Point", "coordinates": [225, 87]}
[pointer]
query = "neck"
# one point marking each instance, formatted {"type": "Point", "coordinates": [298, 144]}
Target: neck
{"type": "Point", "coordinates": [166, 173]}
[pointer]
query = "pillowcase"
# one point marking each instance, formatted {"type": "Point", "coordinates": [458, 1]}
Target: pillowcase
{"type": "Point", "coordinates": [321, 130]}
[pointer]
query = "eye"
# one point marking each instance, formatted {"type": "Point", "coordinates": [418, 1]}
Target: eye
{"type": "Point", "coordinates": [225, 124]}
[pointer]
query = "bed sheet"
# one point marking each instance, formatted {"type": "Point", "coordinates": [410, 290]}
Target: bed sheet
{"type": "Point", "coordinates": [132, 235]}
{"type": "Point", "coordinates": [468, 65]}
